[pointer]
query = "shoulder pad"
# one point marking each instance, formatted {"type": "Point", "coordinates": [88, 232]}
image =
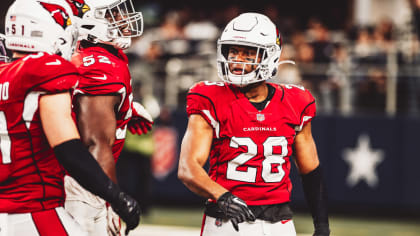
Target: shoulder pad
{"type": "Point", "coordinates": [207, 88]}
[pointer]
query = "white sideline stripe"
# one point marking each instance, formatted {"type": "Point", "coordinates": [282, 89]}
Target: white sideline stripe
{"type": "Point", "coordinates": [163, 230]}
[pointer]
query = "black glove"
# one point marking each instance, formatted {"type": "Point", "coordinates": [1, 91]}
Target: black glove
{"type": "Point", "coordinates": [322, 230]}
{"type": "Point", "coordinates": [128, 209]}
{"type": "Point", "coordinates": [235, 209]}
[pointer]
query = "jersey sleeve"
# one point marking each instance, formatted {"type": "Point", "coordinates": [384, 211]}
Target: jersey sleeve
{"type": "Point", "coordinates": [307, 107]}
{"type": "Point", "coordinates": [199, 101]}
{"type": "Point", "coordinates": [309, 111]}
{"type": "Point", "coordinates": [53, 74]}
{"type": "Point", "coordinates": [303, 104]}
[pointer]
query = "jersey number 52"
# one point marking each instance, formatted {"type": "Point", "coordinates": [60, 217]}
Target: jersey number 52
{"type": "Point", "coordinates": [90, 60]}
{"type": "Point", "coordinates": [270, 160]}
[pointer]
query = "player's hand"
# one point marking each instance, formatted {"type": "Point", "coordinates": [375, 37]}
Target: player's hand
{"type": "Point", "coordinates": [141, 121]}
{"type": "Point", "coordinates": [114, 226]}
{"type": "Point", "coordinates": [322, 230]}
{"type": "Point", "coordinates": [235, 209]}
{"type": "Point", "coordinates": [128, 209]}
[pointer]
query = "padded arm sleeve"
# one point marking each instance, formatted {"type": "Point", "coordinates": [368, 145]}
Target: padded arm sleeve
{"type": "Point", "coordinates": [83, 167]}
{"type": "Point", "coordinates": [316, 196]}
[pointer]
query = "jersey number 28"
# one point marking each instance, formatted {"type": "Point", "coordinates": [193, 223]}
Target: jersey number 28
{"type": "Point", "coordinates": [270, 160]}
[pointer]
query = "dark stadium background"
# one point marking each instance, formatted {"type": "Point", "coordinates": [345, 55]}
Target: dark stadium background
{"type": "Point", "coordinates": [340, 11]}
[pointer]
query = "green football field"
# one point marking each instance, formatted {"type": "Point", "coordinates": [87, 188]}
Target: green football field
{"type": "Point", "coordinates": [340, 225]}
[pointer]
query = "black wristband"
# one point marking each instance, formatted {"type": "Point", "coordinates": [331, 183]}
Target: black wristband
{"type": "Point", "coordinates": [83, 167]}
{"type": "Point", "coordinates": [316, 197]}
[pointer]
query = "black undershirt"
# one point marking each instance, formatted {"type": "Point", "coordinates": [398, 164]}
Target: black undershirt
{"type": "Point", "coordinates": [261, 105]}
{"type": "Point", "coordinates": [109, 48]}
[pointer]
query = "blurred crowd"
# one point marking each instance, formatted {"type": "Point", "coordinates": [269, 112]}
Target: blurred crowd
{"type": "Point", "coordinates": [354, 70]}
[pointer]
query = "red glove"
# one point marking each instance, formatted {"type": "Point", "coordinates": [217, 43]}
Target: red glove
{"type": "Point", "coordinates": [141, 121]}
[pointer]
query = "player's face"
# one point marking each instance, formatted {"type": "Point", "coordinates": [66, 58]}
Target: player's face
{"type": "Point", "coordinates": [243, 54]}
{"type": "Point", "coordinates": [115, 15]}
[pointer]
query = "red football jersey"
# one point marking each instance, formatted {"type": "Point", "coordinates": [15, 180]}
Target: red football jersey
{"type": "Point", "coordinates": [250, 152]}
{"type": "Point", "coordinates": [31, 179]}
{"type": "Point", "coordinates": [104, 74]}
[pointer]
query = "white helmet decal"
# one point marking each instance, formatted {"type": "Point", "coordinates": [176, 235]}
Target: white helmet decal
{"type": "Point", "coordinates": [251, 30]}
{"type": "Point", "coordinates": [58, 13]}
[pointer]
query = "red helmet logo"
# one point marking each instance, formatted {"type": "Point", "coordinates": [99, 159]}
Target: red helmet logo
{"type": "Point", "coordinates": [279, 39]}
{"type": "Point", "coordinates": [78, 7]}
{"type": "Point", "coordinates": [58, 13]}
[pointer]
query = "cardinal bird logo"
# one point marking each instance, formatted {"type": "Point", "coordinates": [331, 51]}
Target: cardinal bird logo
{"type": "Point", "coordinates": [79, 7]}
{"type": "Point", "coordinates": [58, 13]}
{"type": "Point", "coordinates": [279, 39]}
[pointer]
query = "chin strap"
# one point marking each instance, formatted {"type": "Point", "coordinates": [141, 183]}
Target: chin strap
{"type": "Point", "coordinates": [119, 43]}
{"type": "Point", "coordinates": [287, 62]}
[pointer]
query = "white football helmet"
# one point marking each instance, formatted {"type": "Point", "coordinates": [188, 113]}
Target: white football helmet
{"type": "Point", "coordinates": [112, 22]}
{"type": "Point", "coordinates": [41, 26]}
{"type": "Point", "coordinates": [252, 30]}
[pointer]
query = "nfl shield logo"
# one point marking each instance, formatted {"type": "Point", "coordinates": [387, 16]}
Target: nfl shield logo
{"type": "Point", "coordinates": [260, 117]}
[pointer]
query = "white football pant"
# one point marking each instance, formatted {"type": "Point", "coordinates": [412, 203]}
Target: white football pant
{"type": "Point", "coordinates": [213, 227]}
{"type": "Point", "coordinates": [89, 210]}
{"type": "Point", "coordinates": [52, 222]}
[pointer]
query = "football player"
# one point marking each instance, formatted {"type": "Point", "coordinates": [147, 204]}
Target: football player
{"type": "Point", "coordinates": [250, 128]}
{"type": "Point", "coordinates": [38, 136]}
{"type": "Point", "coordinates": [103, 100]}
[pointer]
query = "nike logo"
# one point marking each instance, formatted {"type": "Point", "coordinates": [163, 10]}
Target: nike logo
{"type": "Point", "coordinates": [285, 221]}
{"type": "Point", "coordinates": [239, 201]}
{"type": "Point", "coordinates": [101, 78]}
{"type": "Point", "coordinates": [53, 63]}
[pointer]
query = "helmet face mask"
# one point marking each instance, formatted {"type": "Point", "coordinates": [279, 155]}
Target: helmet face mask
{"type": "Point", "coordinates": [124, 21]}
{"type": "Point", "coordinates": [254, 32]}
{"type": "Point", "coordinates": [245, 67]}
{"type": "Point", "coordinates": [3, 52]}
{"type": "Point", "coordinates": [112, 22]}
